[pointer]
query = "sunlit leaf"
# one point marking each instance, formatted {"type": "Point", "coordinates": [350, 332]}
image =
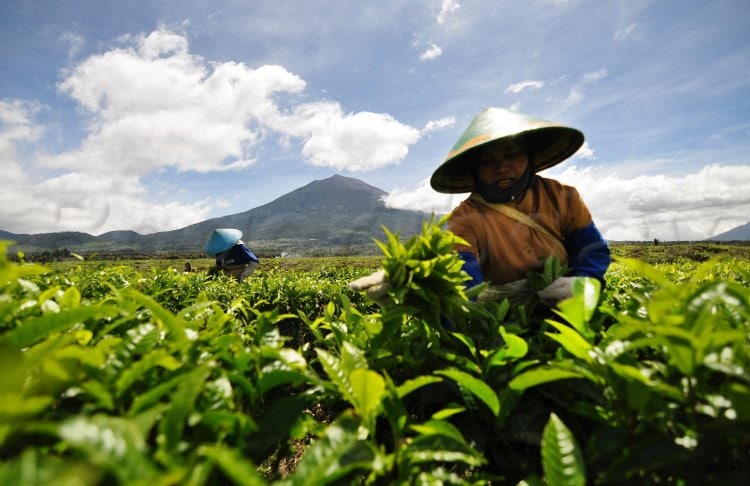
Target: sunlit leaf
{"type": "Point", "coordinates": [561, 458]}
{"type": "Point", "coordinates": [368, 388]}
{"type": "Point", "coordinates": [416, 383]}
{"type": "Point", "coordinates": [338, 376]}
{"type": "Point", "coordinates": [579, 309]}
{"type": "Point", "coordinates": [440, 448]}
{"type": "Point", "coordinates": [571, 340]}
{"type": "Point", "coordinates": [476, 386]}
{"type": "Point", "coordinates": [543, 374]}
{"type": "Point", "coordinates": [115, 443]}
{"type": "Point", "coordinates": [338, 453]}
{"type": "Point", "coordinates": [40, 327]}
{"type": "Point", "coordinates": [236, 466]}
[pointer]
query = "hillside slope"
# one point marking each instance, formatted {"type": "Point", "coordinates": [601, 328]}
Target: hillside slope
{"type": "Point", "coordinates": [740, 233]}
{"type": "Point", "coordinates": [337, 211]}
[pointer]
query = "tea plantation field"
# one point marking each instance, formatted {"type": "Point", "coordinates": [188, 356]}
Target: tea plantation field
{"type": "Point", "coordinates": [138, 373]}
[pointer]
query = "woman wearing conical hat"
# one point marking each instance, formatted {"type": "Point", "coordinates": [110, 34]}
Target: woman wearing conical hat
{"type": "Point", "coordinates": [233, 257]}
{"type": "Point", "coordinates": [514, 218]}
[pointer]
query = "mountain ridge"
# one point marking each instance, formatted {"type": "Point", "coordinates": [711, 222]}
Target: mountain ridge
{"type": "Point", "coordinates": [337, 211]}
{"type": "Point", "coordinates": [739, 233]}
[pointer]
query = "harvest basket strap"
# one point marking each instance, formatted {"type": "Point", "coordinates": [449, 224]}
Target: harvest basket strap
{"type": "Point", "coordinates": [517, 215]}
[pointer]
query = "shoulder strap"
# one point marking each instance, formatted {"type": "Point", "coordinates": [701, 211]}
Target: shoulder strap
{"type": "Point", "coordinates": [517, 215]}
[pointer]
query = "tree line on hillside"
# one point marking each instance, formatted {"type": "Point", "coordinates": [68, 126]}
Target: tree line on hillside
{"type": "Point", "coordinates": [663, 252]}
{"type": "Point", "coordinates": [263, 252]}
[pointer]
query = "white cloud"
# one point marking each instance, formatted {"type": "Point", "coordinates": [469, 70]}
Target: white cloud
{"type": "Point", "coordinates": [433, 125]}
{"type": "Point", "coordinates": [530, 85]}
{"type": "Point", "coordinates": [626, 32]}
{"type": "Point", "coordinates": [594, 76]}
{"type": "Point", "coordinates": [156, 73]}
{"type": "Point", "coordinates": [152, 106]}
{"type": "Point", "coordinates": [423, 198]}
{"type": "Point", "coordinates": [688, 207]}
{"type": "Point", "coordinates": [577, 92]}
{"type": "Point", "coordinates": [94, 202]}
{"type": "Point", "coordinates": [447, 8]}
{"type": "Point", "coordinates": [433, 52]}
{"type": "Point", "coordinates": [692, 206]}
{"type": "Point", "coordinates": [155, 105]}
{"type": "Point", "coordinates": [16, 127]}
{"type": "Point", "coordinates": [357, 141]}
{"type": "Point", "coordinates": [585, 152]}
{"type": "Point", "coordinates": [74, 41]}
{"type": "Point", "coordinates": [17, 123]}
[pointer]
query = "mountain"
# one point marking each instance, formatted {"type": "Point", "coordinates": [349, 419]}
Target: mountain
{"type": "Point", "coordinates": [740, 233]}
{"type": "Point", "coordinates": [330, 213]}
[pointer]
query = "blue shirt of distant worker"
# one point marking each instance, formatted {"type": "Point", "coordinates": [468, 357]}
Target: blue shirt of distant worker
{"type": "Point", "coordinates": [233, 257]}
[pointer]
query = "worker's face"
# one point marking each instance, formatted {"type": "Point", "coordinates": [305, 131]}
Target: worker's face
{"type": "Point", "coordinates": [502, 165]}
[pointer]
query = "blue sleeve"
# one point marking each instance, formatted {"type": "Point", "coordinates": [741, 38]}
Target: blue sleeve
{"type": "Point", "coordinates": [588, 252]}
{"type": "Point", "coordinates": [471, 267]}
{"type": "Point", "coordinates": [236, 255]}
{"type": "Point", "coordinates": [250, 254]}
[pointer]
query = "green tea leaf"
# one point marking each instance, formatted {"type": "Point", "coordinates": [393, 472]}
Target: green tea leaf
{"type": "Point", "coordinates": [368, 388]}
{"type": "Point", "coordinates": [336, 374]}
{"type": "Point", "coordinates": [571, 341]}
{"type": "Point", "coordinates": [115, 443]}
{"type": "Point", "coordinates": [477, 387]}
{"type": "Point", "coordinates": [236, 466]}
{"type": "Point", "coordinates": [38, 328]}
{"type": "Point", "coordinates": [561, 458]}
{"type": "Point", "coordinates": [138, 369]}
{"type": "Point", "coordinates": [337, 454]}
{"type": "Point", "coordinates": [514, 348]}
{"type": "Point", "coordinates": [153, 395]}
{"type": "Point", "coordinates": [182, 405]}
{"type": "Point", "coordinates": [416, 383]}
{"type": "Point", "coordinates": [440, 448]}
{"type": "Point", "coordinates": [439, 427]}
{"type": "Point", "coordinates": [14, 406]}
{"type": "Point", "coordinates": [579, 309]}
{"type": "Point", "coordinates": [544, 374]}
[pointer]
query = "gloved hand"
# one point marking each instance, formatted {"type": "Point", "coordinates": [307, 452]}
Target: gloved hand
{"type": "Point", "coordinates": [375, 286]}
{"type": "Point", "coordinates": [557, 291]}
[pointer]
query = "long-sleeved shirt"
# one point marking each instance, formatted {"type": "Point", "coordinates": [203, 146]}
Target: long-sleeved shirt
{"type": "Point", "coordinates": [236, 255]}
{"type": "Point", "coordinates": [501, 249]}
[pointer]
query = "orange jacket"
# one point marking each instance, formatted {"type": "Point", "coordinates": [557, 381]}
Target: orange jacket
{"type": "Point", "coordinates": [506, 250]}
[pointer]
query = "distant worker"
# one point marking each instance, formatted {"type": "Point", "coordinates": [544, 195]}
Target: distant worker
{"type": "Point", "coordinates": [188, 267]}
{"type": "Point", "coordinates": [233, 257]}
{"type": "Point", "coordinates": [514, 219]}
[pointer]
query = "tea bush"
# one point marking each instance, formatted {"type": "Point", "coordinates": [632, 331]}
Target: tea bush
{"type": "Point", "coordinates": [112, 374]}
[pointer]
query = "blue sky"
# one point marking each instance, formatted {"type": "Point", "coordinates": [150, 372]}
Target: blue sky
{"type": "Point", "coordinates": [153, 115]}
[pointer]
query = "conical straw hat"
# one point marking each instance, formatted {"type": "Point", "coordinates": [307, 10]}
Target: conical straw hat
{"type": "Point", "coordinates": [550, 143]}
{"type": "Point", "coordinates": [221, 240]}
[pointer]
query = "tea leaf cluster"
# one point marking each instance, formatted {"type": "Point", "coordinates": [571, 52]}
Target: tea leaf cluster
{"type": "Point", "coordinates": [117, 375]}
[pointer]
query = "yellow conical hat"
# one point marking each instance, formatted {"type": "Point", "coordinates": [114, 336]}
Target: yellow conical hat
{"type": "Point", "coordinates": [550, 143]}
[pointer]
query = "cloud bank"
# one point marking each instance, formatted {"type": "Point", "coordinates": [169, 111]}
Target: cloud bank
{"type": "Point", "coordinates": [152, 106]}
{"type": "Point", "coordinates": [692, 206]}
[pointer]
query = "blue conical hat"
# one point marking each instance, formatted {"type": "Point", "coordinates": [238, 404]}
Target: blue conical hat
{"type": "Point", "coordinates": [221, 240]}
{"type": "Point", "coordinates": [550, 142]}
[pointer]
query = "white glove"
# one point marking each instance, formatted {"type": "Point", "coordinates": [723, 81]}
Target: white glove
{"type": "Point", "coordinates": [375, 286]}
{"type": "Point", "coordinates": [557, 291]}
